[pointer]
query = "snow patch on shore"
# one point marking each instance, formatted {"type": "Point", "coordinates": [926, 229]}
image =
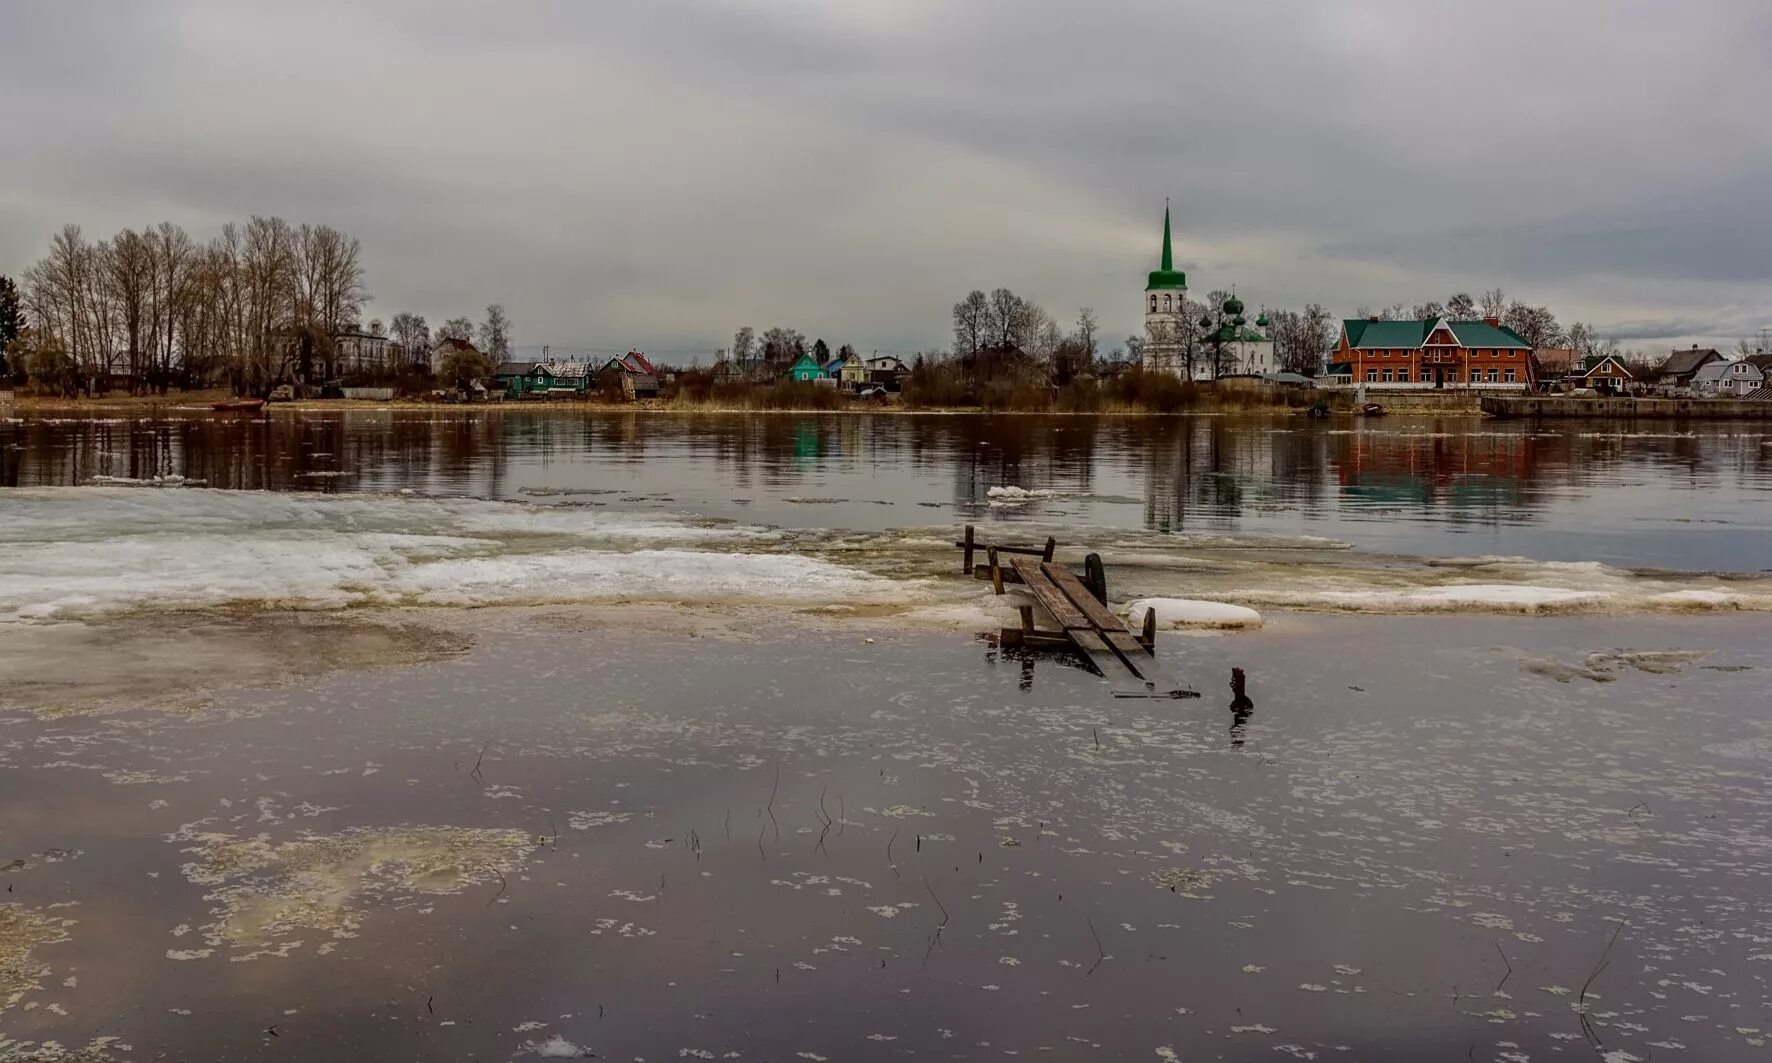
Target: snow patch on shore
{"type": "Point", "coordinates": [1191, 612]}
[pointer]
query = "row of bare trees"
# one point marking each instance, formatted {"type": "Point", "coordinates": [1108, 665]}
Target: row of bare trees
{"type": "Point", "coordinates": [256, 304]}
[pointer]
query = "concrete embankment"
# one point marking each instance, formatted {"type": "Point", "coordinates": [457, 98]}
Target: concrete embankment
{"type": "Point", "coordinates": [1549, 406]}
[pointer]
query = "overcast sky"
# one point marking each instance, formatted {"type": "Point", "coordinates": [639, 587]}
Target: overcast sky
{"type": "Point", "coordinates": [658, 173]}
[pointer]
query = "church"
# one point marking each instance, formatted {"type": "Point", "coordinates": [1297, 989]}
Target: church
{"type": "Point", "coordinates": [1222, 343]}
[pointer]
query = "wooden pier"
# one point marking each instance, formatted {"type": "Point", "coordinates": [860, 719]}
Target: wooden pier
{"type": "Point", "coordinates": [1078, 606]}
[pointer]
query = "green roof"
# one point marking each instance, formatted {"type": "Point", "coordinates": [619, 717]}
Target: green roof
{"type": "Point", "coordinates": [1483, 334]}
{"type": "Point", "coordinates": [1168, 276]}
{"type": "Point", "coordinates": [1370, 335]}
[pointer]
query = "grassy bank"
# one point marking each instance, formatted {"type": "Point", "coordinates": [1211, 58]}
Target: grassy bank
{"type": "Point", "coordinates": [1131, 394]}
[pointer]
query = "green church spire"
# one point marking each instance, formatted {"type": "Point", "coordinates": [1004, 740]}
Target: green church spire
{"type": "Point", "coordinates": [1167, 277]}
{"type": "Point", "coordinates": [1168, 259]}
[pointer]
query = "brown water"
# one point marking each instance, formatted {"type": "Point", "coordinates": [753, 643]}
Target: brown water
{"type": "Point", "coordinates": [382, 825]}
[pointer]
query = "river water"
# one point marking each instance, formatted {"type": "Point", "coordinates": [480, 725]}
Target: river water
{"type": "Point", "coordinates": [506, 734]}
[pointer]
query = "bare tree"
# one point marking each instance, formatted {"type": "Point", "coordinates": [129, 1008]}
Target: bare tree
{"type": "Point", "coordinates": [1040, 334]}
{"type": "Point", "coordinates": [1086, 330]}
{"type": "Point", "coordinates": [129, 283]}
{"type": "Point", "coordinates": [1302, 338]}
{"type": "Point", "coordinates": [412, 334]}
{"type": "Point", "coordinates": [1494, 303]}
{"type": "Point", "coordinates": [173, 256]}
{"type": "Point", "coordinates": [1461, 307]}
{"type": "Point", "coordinates": [1009, 318]}
{"type": "Point", "coordinates": [781, 344]}
{"type": "Point", "coordinates": [495, 334]}
{"type": "Point", "coordinates": [1135, 349]}
{"type": "Point", "coordinates": [1428, 311]}
{"type": "Point", "coordinates": [1534, 324]}
{"type": "Point", "coordinates": [456, 328]}
{"type": "Point", "coordinates": [972, 317]}
{"type": "Point", "coordinates": [744, 345]}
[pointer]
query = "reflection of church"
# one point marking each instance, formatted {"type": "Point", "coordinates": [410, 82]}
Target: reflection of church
{"type": "Point", "coordinates": [1221, 343]}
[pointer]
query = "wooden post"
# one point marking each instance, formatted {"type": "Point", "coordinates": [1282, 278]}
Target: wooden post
{"type": "Point", "coordinates": [967, 546]}
{"type": "Point", "coordinates": [996, 570]}
{"type": "Point", "coordinates": [1095, 577]}
{"type": "Point", "coordinates": [1150, 631]}
{"type": "Point", "coordinates": [1027, 618]}
{"type": "Point", "coordinates": [1051, 548]}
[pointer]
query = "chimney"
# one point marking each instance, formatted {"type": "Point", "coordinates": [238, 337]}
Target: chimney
{"type": "Point", "coordinates": [1492, 322]}
{"type": "Point", "coordinates": [1373, 317]}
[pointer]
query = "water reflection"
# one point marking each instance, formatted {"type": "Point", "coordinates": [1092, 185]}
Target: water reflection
{"type": "Point", "coordinates": [1241, 708]}
{"type": "Point", "coordinates": [1408, 482]}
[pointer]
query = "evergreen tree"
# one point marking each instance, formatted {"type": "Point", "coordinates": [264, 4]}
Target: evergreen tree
{"type": "Point", "coordinates": [821, 352]}
{"type": "Point", "coordinates": [12, 322]}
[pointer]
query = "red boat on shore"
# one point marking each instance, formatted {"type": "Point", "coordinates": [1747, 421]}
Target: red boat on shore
{"type": "Point", "coordinates": [238, 405]}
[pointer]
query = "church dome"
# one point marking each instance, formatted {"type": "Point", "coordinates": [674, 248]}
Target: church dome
{"type": "Point", "coordinates": [1233, 307]}
{"type": "Point", "coordinates": [1262, 321]}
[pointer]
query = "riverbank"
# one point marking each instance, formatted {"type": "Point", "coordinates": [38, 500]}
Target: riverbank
{"type": "Point", "coordinates": [1208, 401]}
{"type": "Point", "coordinates": [1626, 409]}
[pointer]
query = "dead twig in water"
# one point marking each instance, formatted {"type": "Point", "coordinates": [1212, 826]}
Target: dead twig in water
{"type": "Point", "coordinates": [1587, 1025]}
{"type": "Point", "coordinates": [1630, 813]}
{"type": "Point", "coordinates": [729, 824]}
{"type": "Point", "coordinates": [760, 832]}
{"type": "Point", "coordinates": [935, 941]}
{"type": "Point", "coordinates": [1510, 968]}
{"type": "Point", "coordinates": [475, 773]}
{"type": "Point", "coordinates": [889, 842]}
{"type": "Point", "coordinates": [842, 816]}
{"type": "Point", "coordinates": [771, 806]}
{"type": "Point", "coordinates": [428, 1001]}
{"type": "Point", "coordinates": [1100, 953]}
{"type": "Point", "coordinates": [502, 886]}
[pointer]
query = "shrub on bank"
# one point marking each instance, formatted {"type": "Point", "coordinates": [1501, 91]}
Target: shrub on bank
{"type": "Point", "coordinates": [1156, 392]}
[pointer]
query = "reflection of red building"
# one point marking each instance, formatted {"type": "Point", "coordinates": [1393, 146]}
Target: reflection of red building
{"type": "Point", "coordinates": [1387, 467]}
{"type": "Point", "coordinates": [1434, 353]}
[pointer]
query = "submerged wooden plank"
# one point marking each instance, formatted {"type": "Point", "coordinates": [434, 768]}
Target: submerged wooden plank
{"type": "Point", "coordinates": [1109, 660]}
{"type": "Point", "coordinates": [1113, 630]}
{"type": "Point", "coordinates": [1066, 580]}
{"type": "Point", "coordinates": [1049, 596]}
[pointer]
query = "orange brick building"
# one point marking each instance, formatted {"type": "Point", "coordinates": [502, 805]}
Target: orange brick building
{"type": "Point", "coordinates": [1434, 353]}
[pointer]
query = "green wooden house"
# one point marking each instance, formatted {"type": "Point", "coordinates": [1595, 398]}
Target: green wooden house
{"type": "Point", "coordinates": [806, 370]}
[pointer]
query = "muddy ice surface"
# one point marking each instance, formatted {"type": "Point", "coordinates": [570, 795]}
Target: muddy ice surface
{"type": "Point", "coordinates": [1470, 838]}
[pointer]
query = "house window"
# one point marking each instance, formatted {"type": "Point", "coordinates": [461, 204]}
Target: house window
{"type": "Point", "coordinates": [1153, 304]}
{"type": "Point", "coordinates": [1372, 376]}
{"type": "Point", "coordinates": [1495, 354]}
{"type": "Point", "coordinates": [1492, 375]}
{"type": "Point", "coordinates": [1510, 374]}
{"type": "Point", "coordinates": [1387, 374]}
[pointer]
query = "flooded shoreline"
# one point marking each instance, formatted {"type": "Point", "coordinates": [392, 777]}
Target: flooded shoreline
{"type": "Point", "coordinates": [687, 745]}
{"type": "Point", "coordinates": [644, 845]}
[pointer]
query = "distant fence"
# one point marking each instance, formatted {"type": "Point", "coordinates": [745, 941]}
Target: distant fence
{"type": "Point", "coordinates": [370, 394]}
{"type": "Point", "coordinates": [5, 396]}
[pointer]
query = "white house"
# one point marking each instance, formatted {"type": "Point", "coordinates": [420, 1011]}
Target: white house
{"type": "Point", "coordinates": [1728, 380]}
{"type": "Point", "coordinates": [361, 352]}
